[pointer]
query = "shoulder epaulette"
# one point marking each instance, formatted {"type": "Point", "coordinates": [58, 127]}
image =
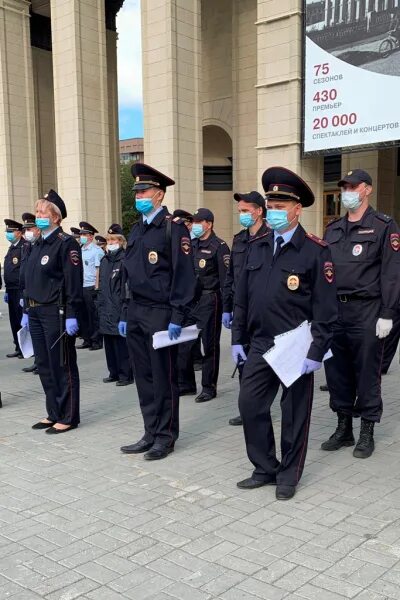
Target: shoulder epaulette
{"type": "Point", "coordinates": [333, 221]}
{"type": "Point", "coordinates": [316, 239]}
{"type": "Point", "coordinates": [64, 236]}
{"type": "Point", "coordinates": [260, 237]}
{"type": "Point", "coordinates": [383, 217]}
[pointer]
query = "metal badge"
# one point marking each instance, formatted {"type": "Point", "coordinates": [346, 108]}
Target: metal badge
{"type": "Point", "coordinates": [15, 260]}
{"type": "Point", "coordinates": [202, 263]}
{"type": "Point", "coordinates": [153, 257]}
{"type": "Point", "coordinates": [293, 283]}
{"type": "Point", "coordinates": [357, 249]}
{"type": "Point", "coordinates": [45, 260]}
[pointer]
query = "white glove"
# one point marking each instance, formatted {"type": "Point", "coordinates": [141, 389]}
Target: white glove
{"type": "Point", "coordinates": [383, 327]}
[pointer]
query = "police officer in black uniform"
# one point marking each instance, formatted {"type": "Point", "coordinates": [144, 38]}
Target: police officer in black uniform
{"type": "Point", "coordinates": [76, 233]}
{"type": "Point", "coordinates": [12, 265]}
{"type": "Point", "coordinates": [365, 251]}
{"type": "Point", "coordinates": [287, 279]}
{"type": "Point", "coordinates": [53, 300]}
{"type": "Point", "coordinates": [31, 235]}
{"type": "Point", "coordinates": [211, 261]}
{"type": "Point", "coordinates": [161, 283]}
{"type": "Point", "coordinates": [251, 207]}
{"type": "Point", "coordinates": [101, 242]}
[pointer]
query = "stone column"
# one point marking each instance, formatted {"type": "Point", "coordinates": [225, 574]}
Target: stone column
{"type": "Point", "coordinates": [279, 91]}
{"type": "Point", "coordinates": [171, 46]}
{"type": "Point", "coordinates": [81, 99]}
{"type": "Point", "coordinates": [18, 166]}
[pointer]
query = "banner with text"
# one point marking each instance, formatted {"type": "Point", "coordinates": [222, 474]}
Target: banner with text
{"type": "Point", "coordinates": [351, 76]}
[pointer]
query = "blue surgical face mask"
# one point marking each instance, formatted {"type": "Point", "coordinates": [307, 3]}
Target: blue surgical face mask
{"type": "Point", "coordinates": [246, 220]}
{"type": "Point", "coordinates": [144, 205]}
{"type": "Point", "coordinates": [42, 222]}
{"type": "Point", "coordinates": [278, 219]}
{"type": "Point", "coordinates": [192, 236]}
{"type": "Point", "coordinates": [351, 200]}
{"type": "Point", "coordinates": [83, 239]}
{"type": "Point", "coordinates": [197, 230]}
{"type": "Point", "coordinates": [10, 235]}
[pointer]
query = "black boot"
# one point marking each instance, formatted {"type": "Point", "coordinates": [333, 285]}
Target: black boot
{"type": "Point", "coordinates": [365, 445]}
{"type": "Point", "coordinates": [343, 435]}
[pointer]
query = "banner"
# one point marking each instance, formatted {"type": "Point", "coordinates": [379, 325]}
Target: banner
{"type": "Point", "coordinates": [351, 75]}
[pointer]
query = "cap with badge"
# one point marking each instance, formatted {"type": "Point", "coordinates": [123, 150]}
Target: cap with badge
{"type": "Point", "coordinates": [182, 214]}
{"type": "Point", "coordinates": [87, 228]}
{"type": "Point", "coordinates": [12, 225]}
{"type": "Point", "coordinates": [356, 177]}
{"type": "Point", "coordinates": [100, 240]}
{"type": "Point", "coordinates": [280, 183]}
{"type": "Point", "coordinates": [55, 199]}
{"type": "Point", "coordinates": [28, 220]}
{"type": "Point", "coordinates": [146, 177]}
{"type": "Point", "coordinates": [75, 231]}
{"type": "Point", "coordinates": [115, 229]}
{"type": "Point", "coordinates": [203, 214]}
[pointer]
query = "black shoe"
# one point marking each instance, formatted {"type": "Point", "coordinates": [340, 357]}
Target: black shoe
{"type": "Point", "coordinates": [42, 425]}
{"type": "Point", "coordinates": [285, 492]}
{"type": "Point", "coordinates": [140, 446]}
{"type": "Point", "coordinates": [324, 388]}
{"type": "Point", "coordinates": [365, 445]}
{"type": "Point", "coordinates": [205, 396]}
{"type": "Point", "coordinates": [15, 354]}
{"type": "Point", "coordinates": [35, 372]}
{"type": "Point", "coordinates": [83, 346]}
{"type": "Point", "coordinates": [29, 369]}
{"type": "Point", "coordinates": [53, 430]}
{"type": "Point", "coordinates": [110, 379]}
{"type": "Point", "coordinates": [187, 392]}
{"type": "Point", "coordinates": [122, 382]}
{"type": "Point", "coordinates": [236, 421]}
{"type": "Point", "coordinates": [158, 452]}
{"type": "Point", "coordinates": [343, 435]}
{"type": "Point", "coordinates": [95, 347]}
{"type": "Point", "coordinates": [251, 484]}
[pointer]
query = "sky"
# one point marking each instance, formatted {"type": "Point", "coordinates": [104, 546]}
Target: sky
{"type": "Point", "coordinates": [130, 102]}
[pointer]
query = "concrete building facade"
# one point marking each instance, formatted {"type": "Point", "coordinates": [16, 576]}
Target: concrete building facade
{"type": "Point", "coordinates": [59, 107]}
{"type": "Point", "coordinates": [222, 85]}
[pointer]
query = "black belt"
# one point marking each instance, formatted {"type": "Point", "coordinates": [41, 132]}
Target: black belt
{"type": "Point", "coordinates": [206, 292]}
{"type": "Point", "coordinates": [32, 303]}
{"type": "Point", "coordinates": [351, 297]}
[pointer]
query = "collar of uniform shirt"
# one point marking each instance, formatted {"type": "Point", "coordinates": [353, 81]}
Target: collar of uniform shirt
{"type": "Point", "coordinates": [287, 236]}
{"type": "Point", "coordinates": [46, 235]}
{"type": "Point", "coordinates": [89, 246]}
{"type": "Point", "coordinates": [148, 218]}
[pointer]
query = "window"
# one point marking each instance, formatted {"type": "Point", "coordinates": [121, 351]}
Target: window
{"type": "Point", "coordinates": [217, 179]}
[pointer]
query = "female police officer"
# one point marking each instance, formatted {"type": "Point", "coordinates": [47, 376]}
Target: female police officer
{"type": "Point", "coordinates": [53, 298]}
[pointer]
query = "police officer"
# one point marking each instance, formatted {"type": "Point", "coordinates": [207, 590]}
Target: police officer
{"type": "Point", "coordinates": [287, 279]}
{"type": "Point", "coordinates": [211, 261]}
{"type": "Point", "coordinates": [91, 257]}
{"type": "Point", "coordinates": [31, 234]}
{"type": "Point", "coordinates": [251, 208]}
{"type": "Point", "coordinates": [101, 242]}
{"type": "Point", "coordinates": [53, 300]}
{"type": "Point", "coordinates": [186, 217]}
{"type": "Point", "coordinates": [161, 283]}
{"type": "Point", "coordinates": [365, 251]}
{"type": "Point", "coordinates": [12, 265]}
{"type": "Point", "coordinates": [76, 232]}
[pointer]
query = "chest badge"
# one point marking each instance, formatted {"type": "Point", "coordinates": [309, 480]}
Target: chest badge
{"type": "Point", "coordinates": [15, 260]}
{"type": "Point", "coordinates": [357, 250]}
{"type": "Point", "coordinates": [45, 260]}
{"type": "Point", "coordinates": [153, 257]}
{"type": "Point", "coordinates": [202, 263]}
{"type": "Point", "coordinates": [293, 283]}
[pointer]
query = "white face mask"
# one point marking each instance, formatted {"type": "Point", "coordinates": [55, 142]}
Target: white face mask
{"type": "Point", "coordinates": [351, 200]}
{"type": "Point", "coordinates": [30, 236]}
{"type": "Point", "coordinates": [112, 247]}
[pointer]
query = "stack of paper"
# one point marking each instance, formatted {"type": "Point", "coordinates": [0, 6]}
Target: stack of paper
{"type": "Point", "coordinates": [287, 356]}
{"type": "Point", "coordinates": [161, 338]}
{"type": "Point", "coordinates": [25, 342]}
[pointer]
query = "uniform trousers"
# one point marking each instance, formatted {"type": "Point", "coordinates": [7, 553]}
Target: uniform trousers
{"type": "Point", "coordinates": [60, 382]}
{"type": "Point", "coordinates": [117, 357]}
{"type": "Point", "coordinates": [90, 322]}
{"type": "Point", "coordinates": [391, 343]}
{"type": "Point", "coordinates": [259, 386]}
{"type": "Point", "coordinates": [353, 374]}
{"type": "Point", "coordinates": [207, 315]}
{"type": "Point", "coordinates": [14, 314]}
{"type": "Point", "coordinates": [155, 373]}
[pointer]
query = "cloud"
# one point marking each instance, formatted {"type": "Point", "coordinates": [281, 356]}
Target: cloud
{"type": "Point", "coordinates": [129, 55]}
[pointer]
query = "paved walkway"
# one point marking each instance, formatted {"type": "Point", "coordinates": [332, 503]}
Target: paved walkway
{"type": "Point", "coordinates": [80, 520]}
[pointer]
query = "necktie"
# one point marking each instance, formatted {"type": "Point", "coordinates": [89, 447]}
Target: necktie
{"type": "Point", "coordinates": [279, 242]}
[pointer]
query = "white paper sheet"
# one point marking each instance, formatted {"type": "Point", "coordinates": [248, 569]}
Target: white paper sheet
{"type": "Point", "coordinates": [25, 342]}
{"type": "Point", "coordinates": [161, 338]}
{"type": "Point", "coordinates": [287, 356]}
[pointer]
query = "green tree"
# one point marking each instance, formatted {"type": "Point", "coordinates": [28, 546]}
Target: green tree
{"type": "Point", "coordinates": [129, 213]}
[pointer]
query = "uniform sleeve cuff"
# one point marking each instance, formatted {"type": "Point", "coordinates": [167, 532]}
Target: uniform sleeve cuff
{"type": "Point", "coordinates": [315, 353]}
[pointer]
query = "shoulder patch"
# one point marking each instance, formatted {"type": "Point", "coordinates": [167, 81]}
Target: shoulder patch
{"type": "Point", "coordinates": [383, 217]}
{"type": "Point", "coordinates": [316, 239]}
{"type": "Point", "coordinates": [177, 220]}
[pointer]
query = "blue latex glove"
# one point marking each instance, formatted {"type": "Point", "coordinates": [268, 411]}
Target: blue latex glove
{"type": "Point", "coordinates": [6, 297]}
{"type": "Point", "coordinates": [21, 303]}
{"type": "Point", "coordinates": [238, 354]}
{"type": "Point", "coordinates": [226, 320]}
{"type": "Point", "coordinates": [71, 325]}
{"type": "Point", "coordinates": [174, 331]}
{"type": "Point", "coordinates": [122, 328]}
{"type": "Point", "coordinates": [309, 366]}
{"type": "Point", "coordinates": [25, 320]}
